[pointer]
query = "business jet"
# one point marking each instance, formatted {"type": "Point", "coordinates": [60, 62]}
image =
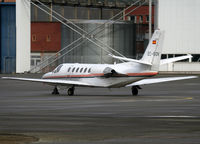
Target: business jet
{"type": "Point", "coordinates": [130, 73]}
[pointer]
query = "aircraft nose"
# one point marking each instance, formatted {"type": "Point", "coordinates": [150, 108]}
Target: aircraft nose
{"type": "Point", "coordinates": [46, 75]}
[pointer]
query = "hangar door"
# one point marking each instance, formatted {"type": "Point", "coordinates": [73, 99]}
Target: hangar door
{"type": "Point", "coordinates": [7, 37]}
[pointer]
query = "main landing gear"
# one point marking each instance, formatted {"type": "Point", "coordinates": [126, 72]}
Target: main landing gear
{"type": "Point", "coordinates": [55, 91]}
{"type": "Point", "coordinates": [135, 90]}
{"type": "Point", "coordinates": [70, 91]}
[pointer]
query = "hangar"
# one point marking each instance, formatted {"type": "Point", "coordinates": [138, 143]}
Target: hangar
{"type": "Point", "coordinates": [42, 39]}
{"type": "Point", "coordinates": [180, 20]}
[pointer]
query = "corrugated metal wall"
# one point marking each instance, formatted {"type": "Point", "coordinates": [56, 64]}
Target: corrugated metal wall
{"type": "Point", "coordinates": [181, 22]}
{"type": "Point", "coordinates": [8, 37]}
{"type": "Point", "coordinates": [120, 36]}
{"type": "Point", "coordinates": [70, 12]}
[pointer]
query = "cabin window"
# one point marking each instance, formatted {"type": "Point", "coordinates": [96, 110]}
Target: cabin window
{"type": "Point", "coordinates": [89, 70]}
{"type": "Point", "coordinates": [81, 70]}
{"type": "Point", "coordinates": [69, 69]}
{"type": "Point", "coordinates": [73, 69]}
{"type": "Point", "coordinates": [85, 70]}
{"type": "Point", "coordinates": [77, 69]}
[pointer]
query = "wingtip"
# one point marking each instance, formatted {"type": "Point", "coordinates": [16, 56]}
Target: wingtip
{"type": "Point", "coordinates": [189, 55]}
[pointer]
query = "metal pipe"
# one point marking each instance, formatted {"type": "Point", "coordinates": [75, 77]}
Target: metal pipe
{"type": "Point", "coordinates": [150, 18]}
{"type": "Point", "coordinates": [51, 9]}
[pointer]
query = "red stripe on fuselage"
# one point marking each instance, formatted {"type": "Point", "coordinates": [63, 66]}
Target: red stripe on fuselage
{"type": "Point", "coordinates": [100, 74]}
{"type": "Point", "coordinates": [143, 74]}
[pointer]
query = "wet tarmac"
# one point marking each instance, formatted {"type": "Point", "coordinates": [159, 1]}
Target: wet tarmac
{"type": "Point", "coordinates": [162, 113]}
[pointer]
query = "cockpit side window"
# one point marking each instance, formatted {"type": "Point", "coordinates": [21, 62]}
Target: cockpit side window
{"type": "Point", "coordinates": [58, 69]}
{"type": "Point", "coordinates": [85, 70]}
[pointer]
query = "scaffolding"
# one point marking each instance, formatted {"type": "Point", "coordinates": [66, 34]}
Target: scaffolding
{"type": "Point", "coordinates": [91, 36]}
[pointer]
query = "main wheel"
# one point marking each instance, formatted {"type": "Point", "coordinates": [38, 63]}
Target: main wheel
{"type": "Point", "coordinates": [70, 91]}
{"type": "Point", "coordinates": [134, 91]}
{"type": "Point", "coordinates": [55, 91]}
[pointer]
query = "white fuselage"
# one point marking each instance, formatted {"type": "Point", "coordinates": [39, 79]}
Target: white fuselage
{"type": "Point", "coordinates": [94, 74]}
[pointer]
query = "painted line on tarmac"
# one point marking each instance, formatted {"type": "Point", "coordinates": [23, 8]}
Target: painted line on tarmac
{"type": "Point", "coordinates": [155, 100]}
{"type": "Point", "coordinates": [174, 116]}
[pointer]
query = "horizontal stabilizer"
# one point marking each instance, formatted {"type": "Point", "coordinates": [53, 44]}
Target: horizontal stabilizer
{"type": "Point", "coordinates": [159, 80]}
{"type": "Point", "coordinates": [170, 60]}
{"type": "Point", "coordinates": [130, 60]}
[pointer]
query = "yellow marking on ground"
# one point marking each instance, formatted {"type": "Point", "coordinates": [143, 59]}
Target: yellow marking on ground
{"type": "Point", "coordinates": [188, 98]}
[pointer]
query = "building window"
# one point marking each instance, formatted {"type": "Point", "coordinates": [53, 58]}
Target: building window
{"type": "Point", "coordinates": [163, 56]}
{"type": "Point", "coordinates": [196, 58]}
{"type": "Point", "coordinates": [34, 38]}
{"type": "Point", "coordinates": [32, 62]}
{"type": "Point", "coordinates": [141, 19]}
{"type": "Point", "coordinates": [132, 18]}
{"type": "Point", "coordinates": [128, 18]}
{"type": "Point", "coordinates": [37, 62]}
{"type": "Point", "coordinates": [147, 18]}
{"type": "Point", "coordinates": [48, 39]}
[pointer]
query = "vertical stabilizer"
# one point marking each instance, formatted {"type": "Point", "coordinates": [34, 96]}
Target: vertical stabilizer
{"type": "Point", "coordinates": [153, 52]}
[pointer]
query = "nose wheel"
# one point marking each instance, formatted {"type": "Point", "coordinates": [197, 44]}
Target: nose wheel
{"type": "Point", "coordinates": [70, 91]}
{"type": "Point", "coordinates": [135, 90]}
{"type": "Point", "coordinates": [55, 91]}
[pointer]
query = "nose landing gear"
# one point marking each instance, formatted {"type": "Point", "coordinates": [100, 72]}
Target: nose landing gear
{"type": "Point", "coordinates": [135, 90]}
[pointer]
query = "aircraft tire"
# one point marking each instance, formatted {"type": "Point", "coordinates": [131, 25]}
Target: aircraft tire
{"type": "Point", "coordinates": [134, 91]}
{"type": "Point", "coordinates": [55, 91]}
{"type": "Point", "coordinates": [70, 91]}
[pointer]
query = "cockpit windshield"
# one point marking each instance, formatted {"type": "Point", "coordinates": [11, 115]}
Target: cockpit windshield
{"type": "Point", "coordinates": [58, 68]}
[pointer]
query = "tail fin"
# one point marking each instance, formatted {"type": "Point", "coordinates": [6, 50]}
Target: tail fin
{"type": "Point", "coordinates": [153, 52]}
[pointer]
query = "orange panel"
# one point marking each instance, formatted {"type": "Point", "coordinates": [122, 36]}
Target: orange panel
{"type": "Point", "coordinates": [45, 36]}
{"type": "Point", "coordinates": [9, 0]}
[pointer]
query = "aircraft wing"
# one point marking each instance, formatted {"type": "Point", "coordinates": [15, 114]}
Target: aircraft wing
{"type": "Point", "coordinates": [159, 80]}
{"type": "Point", "coordinates": [50, 81]}
{"type": "Point", "coordinates": [170, 60]}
